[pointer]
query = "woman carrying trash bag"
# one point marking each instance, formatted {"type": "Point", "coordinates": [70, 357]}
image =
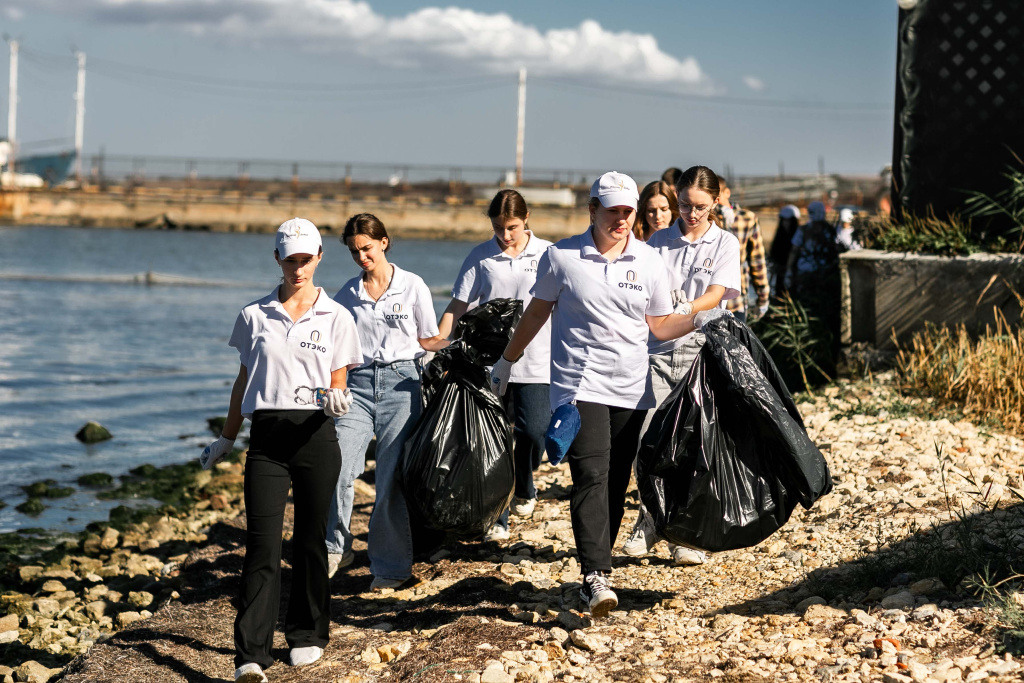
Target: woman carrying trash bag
{"type": "Point", "coordinates": [703, 263]}
{"type": "Point", "coordinates": [506, 267]}
{"type": "Point", "coordinates": [610, 290]}
{"type": "Point", "coordinates": [394, 315]}
{"type": "Point", "coordinates": [296, 346]}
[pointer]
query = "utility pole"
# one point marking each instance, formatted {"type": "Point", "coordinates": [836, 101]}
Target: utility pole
{"type": "Point", "coordinates": [521, 126]}
{"type": "Point", "coordinates": [12, 105]}
{"type": "Point", "coordinates": [79, 115]}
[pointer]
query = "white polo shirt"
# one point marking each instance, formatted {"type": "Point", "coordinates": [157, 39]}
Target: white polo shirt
{"type": "Point", "coordinates": [488, 273]}
{"type": "Point", "coordinates": [282, 355]}
{"type": "Point", "coordinates": [391, 327]}
{"type": "Point", "coordinates": [714, 259]}
{"type": "Point", "coordinates": [598, 326]}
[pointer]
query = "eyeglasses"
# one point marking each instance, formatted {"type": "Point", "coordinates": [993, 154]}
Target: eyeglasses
{"type": "Point", "coordinates": [690, 209]}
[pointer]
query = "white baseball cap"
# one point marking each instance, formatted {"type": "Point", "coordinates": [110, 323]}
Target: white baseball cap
{"type": "Point", "coordinates": [615, 189]}
{"type": "Point", "coordinates": [297, 236]}
{"type": "Point", "coordinates": [845, 215]}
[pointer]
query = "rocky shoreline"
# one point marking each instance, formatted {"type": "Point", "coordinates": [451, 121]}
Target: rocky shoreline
{"type": "Point", "coordinates": [881, 580]}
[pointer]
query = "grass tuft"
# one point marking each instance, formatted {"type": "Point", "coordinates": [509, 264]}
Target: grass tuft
{"type": "Point", "coordinates": [799, 343]}
{"type": "Point", "coordinates": [983, 376]}
{"type": "Point", "coordinates": [920, 235]}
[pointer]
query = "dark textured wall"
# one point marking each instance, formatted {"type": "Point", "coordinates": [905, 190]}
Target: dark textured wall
{"type": "Point", "coordinates": [959, 101]}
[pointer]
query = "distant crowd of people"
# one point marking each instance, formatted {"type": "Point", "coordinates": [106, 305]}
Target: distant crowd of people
{"type": "Point", "coordinates": [611, 324]}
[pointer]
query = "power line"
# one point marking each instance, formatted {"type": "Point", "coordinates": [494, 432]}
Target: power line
{"type": "Point", "coordinates": [110, 67]}
{"type": "Point", "coordinates": [717, 99]}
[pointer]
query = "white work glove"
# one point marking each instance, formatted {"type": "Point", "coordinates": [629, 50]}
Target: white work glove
{"type": "Point", "coordinates": [215, 452]}
{"type": "Point", "coordinates": [338, 402]}
{"type": "Point", "coordinates": [680, 304]}
{"type": "Point", "coordinates": [500, 372]}
{"type": "Point", "coordinates": [762, 311]}
{"type": "Point", "coordinates": [704, 317]}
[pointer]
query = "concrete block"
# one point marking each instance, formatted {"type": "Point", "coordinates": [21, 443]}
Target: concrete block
{"type": "Point", "coordinates": [895, 294]}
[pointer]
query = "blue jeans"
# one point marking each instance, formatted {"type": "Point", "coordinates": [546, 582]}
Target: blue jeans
{"type": "Point", "coordinates": [529, 406]}
{"type": "Point", "coordinates": [385, 404]}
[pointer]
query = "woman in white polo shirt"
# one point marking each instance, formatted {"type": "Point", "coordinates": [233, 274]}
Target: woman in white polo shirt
{"type": "Point", "coordinates": [394, 315]}
{"type": "Point", "coordinates": [506, 267]}
{"type": "Point", "coordinates": [291, 342]}
{"type": "Point", "coordinates": [703, 263]}
{"type": "Point", "coordinates": [610, 290]}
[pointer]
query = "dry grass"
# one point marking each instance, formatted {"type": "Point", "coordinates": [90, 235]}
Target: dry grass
{"type": "Point", "coordinates": [983, 376]}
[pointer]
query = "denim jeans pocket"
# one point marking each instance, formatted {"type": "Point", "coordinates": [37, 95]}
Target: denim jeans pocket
{"type": "Point", "coordinates": [407, 370]}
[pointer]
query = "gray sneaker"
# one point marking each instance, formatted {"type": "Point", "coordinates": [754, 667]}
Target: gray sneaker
{"type": "Point", "coordinates": [597, 593]}
{"type": "Point", "coordinates": [336, 561]}
{"type": "Point", "coordinates": [685, 557]}
{"type": "Point", "coordinates": [250, 672]}
{"type": "Point", "coordinates": [642, 538]}
{"type": "Point", "coordinates": [496, 534]}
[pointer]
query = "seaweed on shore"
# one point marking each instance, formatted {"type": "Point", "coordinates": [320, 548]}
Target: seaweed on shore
{"type": "Point", "coordinates": [96, 479]}
{"type": "Point", "coordinates": [47, 488]}
{"type": "Point", "coordinates": [33, 506]}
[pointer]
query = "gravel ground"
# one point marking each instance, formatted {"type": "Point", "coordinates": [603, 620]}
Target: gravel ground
{"type": "Point", "coordinates": [867, 585]}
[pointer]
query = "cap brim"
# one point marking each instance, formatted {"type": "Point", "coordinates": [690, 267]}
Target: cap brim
{"type": "Point", "coordinates": [619, 199]}
{"type": "Point", "coordinates": [284, 251]}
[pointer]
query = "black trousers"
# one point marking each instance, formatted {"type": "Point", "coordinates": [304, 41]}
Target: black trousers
{"type": "Point", "coordinates": [600, 461]}
{"type": "Point", "coordinates": [295, 449]}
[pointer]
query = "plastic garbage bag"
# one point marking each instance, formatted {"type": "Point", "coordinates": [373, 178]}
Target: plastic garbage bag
{"type": "Point", "coordinates": [726, 457]}
{"type": "Point", "coordinates": [457, 468]}
{"type": "Point", "coordinates": [479, 338]}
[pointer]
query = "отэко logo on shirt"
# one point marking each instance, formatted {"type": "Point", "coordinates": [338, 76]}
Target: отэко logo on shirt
{"type": "Point", "coordinates": [631, 276]}
{"type": "Point", "coordinates": [313, 344]}
{"type": "Point", "coordinates": [397, 315]}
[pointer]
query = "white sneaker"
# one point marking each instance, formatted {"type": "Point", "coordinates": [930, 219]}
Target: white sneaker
{"type": "Point", "coordinates": [685, 557]}
{"type": "Point", "coordinates": [642, 538]}
{"type": "Point", "coordinates": [598, 594]}
{"type": "Point", "coordinates": [250, 672]}
{"type": "Point", "coordinates": [304, 656]}
{"type": "Point", "coordinates": [496, 533]}
{"type": "Point", "coordinates": [523, 507]}
{"type": "Point", "coordinates": [337, 561]}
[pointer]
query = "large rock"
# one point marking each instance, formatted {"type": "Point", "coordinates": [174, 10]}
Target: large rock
{"type": "Point", "coordinates": [901, 600]}
{"type": "Point", "coordinates": [46, 607]}
{"type": "Point", "coordinates": [34, 672]}
{"type": "Point", "coordinates": [93, 432]}
{"type": "Point", "coordinates": [9, 622]}
{"type": "Point", "coordinates": [108, 541]}
{"type": "Point", "coordinates": [140, 598]}
{"type": "Point", "coordinates": [96, 609]}
{"type": "Point", "coordinates": [126, 618]}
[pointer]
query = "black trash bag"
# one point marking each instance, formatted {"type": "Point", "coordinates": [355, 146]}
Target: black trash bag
{"type": "Point", "coordinates": [727, 458]}
{"type": "Point", "coordinates": [479, 338]}
{"type": "Point", "coordinates": [457, 469]}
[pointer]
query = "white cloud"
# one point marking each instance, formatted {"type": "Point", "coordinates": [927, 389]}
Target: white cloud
{"type": "Point", "coordinates": [433, 37]}
{"type": "Point", "coordinates": [754, 83]}
{"type": "Point", "coordinates": [13, 13]}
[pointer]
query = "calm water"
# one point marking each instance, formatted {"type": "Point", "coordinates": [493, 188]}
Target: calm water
{"type": "Point", "coordinates": [150, 362]}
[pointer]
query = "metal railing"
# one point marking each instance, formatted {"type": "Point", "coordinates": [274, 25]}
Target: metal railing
{"type": "Point", "coordinates": [433, 181]}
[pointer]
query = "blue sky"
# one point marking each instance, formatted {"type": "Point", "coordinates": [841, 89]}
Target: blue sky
{"type": "Point", "coordinates": [632, 86]}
